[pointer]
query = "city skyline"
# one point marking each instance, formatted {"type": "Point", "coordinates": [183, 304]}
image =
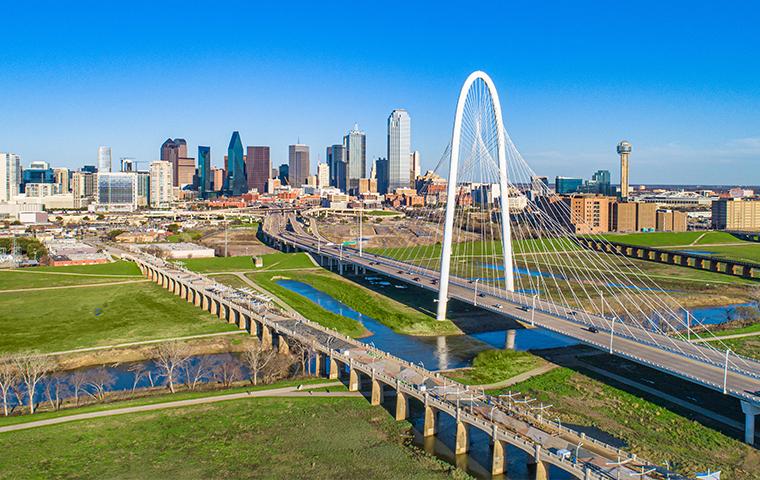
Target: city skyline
{"type": "Point", "coordinates": [569, 95]}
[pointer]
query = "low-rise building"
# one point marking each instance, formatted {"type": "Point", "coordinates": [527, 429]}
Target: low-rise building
{"type": "Point", "coordinates": [736, 214]}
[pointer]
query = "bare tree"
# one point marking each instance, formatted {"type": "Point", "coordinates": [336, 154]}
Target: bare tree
{"type": "Point", "coordinates": [100, 380]}
{"type": "Point", "coordinates": [9, 378]}
{"type": "Point", "coordinates": [197, 371]}
{"type": "Point", "coordinates": [170, 357]}
{"type": "Point", "coordinates": [55, 388]}
{"type": "Point", "coordinates": [227, 371]}
{"type": "Point", "coordinates": [138, 371]}
{"type": "Point", "coordinates": [278, 368]}
{"type": "Point", "coordinates": [32, 368]}
{"type": "Point", "coordinates": [78, 380]}
{"type": "Point", "coordinates": [257, 359]}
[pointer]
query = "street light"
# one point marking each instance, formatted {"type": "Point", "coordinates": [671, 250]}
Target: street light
{"type": "Point", "coordinates": [725, 373]}
{"type": "Point", "coordinates": [577, 449]}
{"type": "Point", "coordinates": [612, 332]}
{"type": "Point", "coordinates": [533, 311]}
{"type": "Point", "coordinates": [475, 298]}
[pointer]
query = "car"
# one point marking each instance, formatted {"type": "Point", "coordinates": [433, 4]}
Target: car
{"type": "Point", "coordinates": [400, 272]}
{"type": "Point", "coordinates": [593, 329]}
{"type": "Point", "coordinates": [416, 279]}
{"type": "Point", "coordinates": [499, 305]}
{"type": "Point", "coordinates": [434, 281]}
{"type": "Point", "coordinates": [525, 308]}
{"type": "Point", "coordinates": [482, 295]}
{"type": "Point", "coordinates": [572, 312]}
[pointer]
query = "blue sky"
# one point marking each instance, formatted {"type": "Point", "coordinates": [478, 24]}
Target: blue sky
{"type": "Point", "coordinates": [680, 80]}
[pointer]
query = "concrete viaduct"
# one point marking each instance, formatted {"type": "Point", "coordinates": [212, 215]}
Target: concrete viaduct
{"type": "Point", "coordinates": [358, 364]}
{"type": "Point", "coordinates": [736, 268]}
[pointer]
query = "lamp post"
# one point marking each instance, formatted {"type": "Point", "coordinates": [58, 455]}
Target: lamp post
{"type": "Point", "coordinates": [533, 311]}
{"type": "Point", "coordinates": [475, 298]}
{"type": "Point", "coordinates": [612, 332]}
{"type": "Point", "coordinates": [725, 373]}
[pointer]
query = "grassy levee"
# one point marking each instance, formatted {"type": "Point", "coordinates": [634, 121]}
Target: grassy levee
{"type": "Point", "coordinates": [272, 261]}
{"type": "Point", "coordinates": [22, 279]}
{"type": "Point", "coordinates": [749, 252]}
{"type": "Point", "coordinates": [278, 438]}
{"type": "Point", "coordinates": [231, 280]}
{"type": "Point", "coordinates": [396, 315]}
{"type": "Point", "coordinates": [648, 429]}
{"type": "Point", "coordinates": [492, 366]}
{"type": "Point", "coordinates": [306, 307]}
{"type": "Point", "coordinates": [746, 346]}
{"type": "Point", "coordinates": [54, 320]}
{"type": "Point", "coordinates": [671, 239]}
{"type": "Point", "coordinates": [120, 267]}
{"type": "Point", "coordinates": [154, 397]}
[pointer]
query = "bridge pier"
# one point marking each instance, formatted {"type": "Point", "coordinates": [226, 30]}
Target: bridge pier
{"type": "Point", "coordinates": [429, 427]}
{"type": "Point", "coordinates": [353, 378]}
{"type": "Point", "coordinates": [461, 444]}
{"type": "Point", "coordinates": [402, 404]}
{"type": "Point", "coordinates": [498, 456]}
{"type": "Point", "coordinates": [539, 468]}
{"type": "Point", "coordinates": [282, 345]}
{"type": "Point", "coordinates": [750, 411]}
{"type": "Point", "coordinates": [377, 391]}
{"type": "Point", "coordinates": [510, 343]}
{"type": "Point", "coordinates": [333, 369]}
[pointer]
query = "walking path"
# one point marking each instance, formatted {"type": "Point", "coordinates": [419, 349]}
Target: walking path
{"type": "Point", "coordinates": [104, 284]}
{"type": "Point", "coordinates": [145, 342]}
{"type": "Point", "coordinates": [518, 378]}
{"type": "Point", "coordinates": [48, 272]}
{"type": "Point", "coordinates": [274, 392]}
{"type": "Point", "coordinates": [725, 337]}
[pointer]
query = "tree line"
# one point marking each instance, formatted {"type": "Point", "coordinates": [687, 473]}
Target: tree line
{"type": "Point", "coordinates": [30, 380]}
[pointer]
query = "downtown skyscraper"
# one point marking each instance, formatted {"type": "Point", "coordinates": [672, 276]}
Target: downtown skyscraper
{"type": "Point", "coordinates": [355, 144]}
{"type": "Point", "coordinates": [236, 183]}
{"type": "Point", "coordinates": [298, 164]}
{"type": "Point", "coordinates": [204, 171]}
{"type": "Point", "coordinates": [258, 168]}
{"type": "Point", "coordinates": [399, 149]}
{"type": "Point", "coordinates": [104, 159]}
{"type": "Point", "coordinates": [336, 164]}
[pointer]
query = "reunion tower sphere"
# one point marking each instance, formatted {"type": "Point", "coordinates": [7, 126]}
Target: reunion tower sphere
{"type": "Point", "coordinates": [624, 147]}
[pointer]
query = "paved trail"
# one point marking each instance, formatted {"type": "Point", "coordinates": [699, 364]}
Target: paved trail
{"type": "Point", "coordinates": [518, 378]}
{"type": "Point", "coordinates": [146, 342]}
{"type": "Point", "coordinates": [274, 392]}
{"type": "Point", "coordinates": [725, 337]}
{"type": "Point", "coordinates": [104, 284]}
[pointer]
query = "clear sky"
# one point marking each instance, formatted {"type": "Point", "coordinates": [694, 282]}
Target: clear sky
{"type": "Point", "coordinates": [680, 80]}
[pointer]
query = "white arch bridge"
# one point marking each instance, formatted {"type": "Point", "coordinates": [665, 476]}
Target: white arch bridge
{"type": "Point", "coordinates": [605, 301]}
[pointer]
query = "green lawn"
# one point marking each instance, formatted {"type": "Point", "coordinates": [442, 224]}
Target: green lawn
{"type": "Point", "coordinates": [493, 366]}
{"type": "Point", "coordinates": [119, 267]}
{"type": "Point", "coordinates": [40, 277]}
{"type": "Point", "coordinates": [232, 280]}
{"type": "Point", "coordinates": [278, 438]}
{"type": "Point", "coordinates": [55, 320]}
{"type": "Point", "coordinates": [401, 318]}
{"type": "Point", "coordinates": [186, 236]}
{"type": "Point", "coordinates": [669, 239]}
{"type": "Point", "coordinates": [748, 252]}
{"type": "Point", "coordinates": [155, 397]}
{"type": "Point", "coordinates": [746, 346]}
{"type": "Point", "coordinates": [272, 261]}
{"type": "Point", "coordinates": [306, 307]}
{"type": "Point", "coordinates": [651, 431]}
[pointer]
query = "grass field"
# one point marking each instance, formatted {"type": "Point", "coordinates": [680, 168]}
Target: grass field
{"type": "Point", "coordinates": [493, 366]}
{"type": "Point", "coordinates": [272, 261]}
{"type": "Point", "coordinates": [40, 277]}
{"type": "Point", "coordinates": [120, 267]}
{"type": "Point", "coordinates": [396, 315]}
{"type": "Point", "coordinates": [669, 239]}
{"type": "Point", "coordinates": [649, 430]}
{"type": "Point", "coordinates": [278, 438]}
{"type": "Point", "coordinates": [55, 320]}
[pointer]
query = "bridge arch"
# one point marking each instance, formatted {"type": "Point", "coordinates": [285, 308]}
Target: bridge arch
{"type": "Point", "coordinates": [451, 189]}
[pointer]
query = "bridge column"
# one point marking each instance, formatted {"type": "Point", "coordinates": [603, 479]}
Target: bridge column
{"type": "Point", "coordinates": [215, 305]}
{"type": "Point", "coordinates": [353, 378]}
{"type": "Point", "coordinates": [266, 337]}
{"type": "Point", "coordinates": [377, 391]}
{"type": "Point", "coordinates": [428, 429]}
{"type": "Point", "coordinates": [498, 455]}
{"type": "Point", "coordinates": [749, 421]}
{"type": "Point", "coordinates": [243, 321]}
{"type": "Point", "coordinates": [333, 368]}
{"type": "Point", "coordinates": [510, 343]}
{"type": "Point", "coordinates": [198, 298]}
{"type": "Point", "coordinates": [223, 311]}
{"type": "Point", "coordinates": [402, 404]}
{"type": "Point", "coordinates": [282, 344]}
{"type": "Point", "coordinates": [461, 445]}
{"type": "Point", "coordinates": [319, 365]}
{"type": "Point", "coordinates": [540, 470]}
{"type": "Point", "coordinates": [340, 267]}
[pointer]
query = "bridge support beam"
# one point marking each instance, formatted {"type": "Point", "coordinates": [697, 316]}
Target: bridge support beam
{"type": "Point", "coordinates": [333, 369]}
{"type": "Point", "coordinates": [402, 405]}
{"type": "Point", "coordinates": [428, 429]}
{"type": "Point", "coordinates": [462, 445]}
{"type": "Point", "coordinates": [539, 468]}
{"type": "Point", "coordinates": [377, 392]}
{"type": "Point", "coordinates": [266, 337]}
{"type": "Point", "coordinates": [282, 345]}
{"type": "Point", "coordinates": [750, 411]}
{"type": "Point", "coordinates": [353, 379]}
{"type": "Point", "coordinates": [498, 457]}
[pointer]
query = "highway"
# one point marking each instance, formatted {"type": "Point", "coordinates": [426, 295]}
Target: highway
{"type": "Point", "coordinates": [690, 361]}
